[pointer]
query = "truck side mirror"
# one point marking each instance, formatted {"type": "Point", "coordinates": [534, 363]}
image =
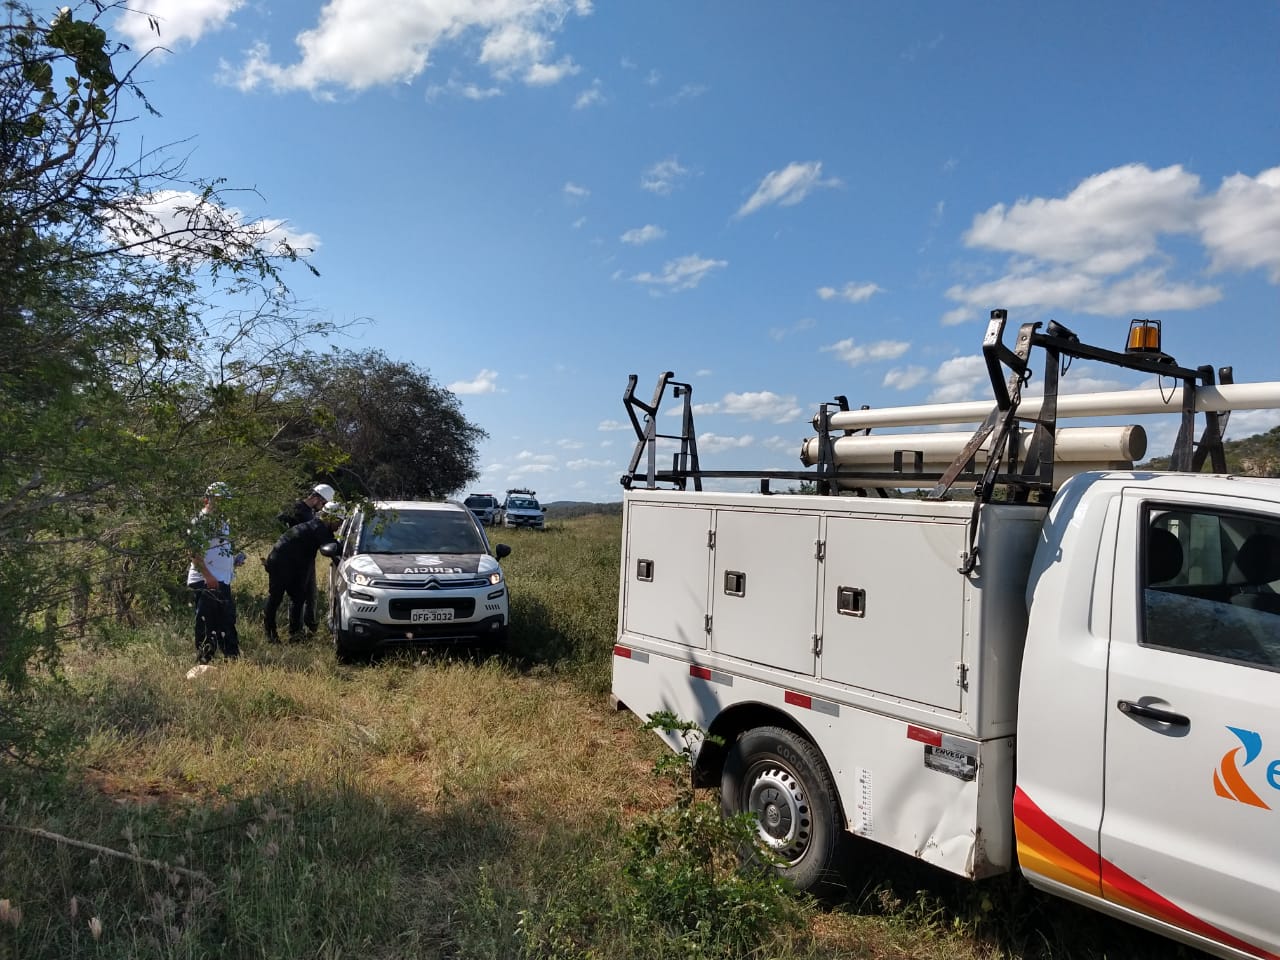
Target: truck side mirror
{"type": "Point", "coordinates": [331, 550]}
{"type": "Point", "coordinates": [501, 550]}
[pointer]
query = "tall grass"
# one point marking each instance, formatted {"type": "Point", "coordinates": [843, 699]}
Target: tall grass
{"type": "Point", "coordinates": [441, 805]}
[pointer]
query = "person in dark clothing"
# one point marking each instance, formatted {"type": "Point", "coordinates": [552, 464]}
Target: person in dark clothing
{"type": "Point", "coordinates": [302, 511]}
{"type": "Point", "coordinates": [291, 567]}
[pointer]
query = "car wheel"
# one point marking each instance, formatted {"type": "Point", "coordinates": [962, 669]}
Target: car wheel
{"type": "Point", "coordinates": [781, 779]}
{"type": "Point", "coordinates": [345, 648]}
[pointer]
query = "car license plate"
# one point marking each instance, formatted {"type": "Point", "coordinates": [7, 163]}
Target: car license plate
{"type": "Point", "coordinates": [434, 615]}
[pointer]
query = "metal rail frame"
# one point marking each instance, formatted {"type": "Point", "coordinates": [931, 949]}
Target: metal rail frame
{"type": "Point", "coordinates": [1009, 371]}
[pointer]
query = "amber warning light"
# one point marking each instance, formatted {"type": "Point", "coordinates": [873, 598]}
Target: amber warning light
{"type": "Point", "coordinates": [1144, 336]}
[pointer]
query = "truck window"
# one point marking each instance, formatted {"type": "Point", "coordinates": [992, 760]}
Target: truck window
{"type": "Point", "coordinates": [1211, 585]}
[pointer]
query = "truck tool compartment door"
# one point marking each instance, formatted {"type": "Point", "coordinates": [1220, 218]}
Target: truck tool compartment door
{"type": "Point", "coordinates": [764, 589]}
{"type": "Point", "coordinates": [893, 608]}
{"type": "Point", "coordinates": [1191, 819]}
{"type": "Point", "coordinates": [665, 575]}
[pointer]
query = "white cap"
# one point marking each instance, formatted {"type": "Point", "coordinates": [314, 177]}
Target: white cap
{"type": "Point", "coordinates": [324, 490]}
{"type": "Point", "coordinates": [218, 489]}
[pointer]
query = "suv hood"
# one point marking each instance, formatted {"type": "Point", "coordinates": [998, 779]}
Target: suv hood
{"type": "Point", "coordinates": [421, 564]}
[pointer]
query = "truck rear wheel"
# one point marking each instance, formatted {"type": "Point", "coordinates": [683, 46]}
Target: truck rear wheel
{"type": "Point", "coordinates": [781, 779]}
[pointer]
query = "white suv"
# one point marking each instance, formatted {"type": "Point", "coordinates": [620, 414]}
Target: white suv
{"type": "Point", "coordinates": [414, 572]}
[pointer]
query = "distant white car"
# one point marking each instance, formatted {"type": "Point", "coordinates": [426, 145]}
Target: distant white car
{"type": "Point", "coordinates": [415, 572]}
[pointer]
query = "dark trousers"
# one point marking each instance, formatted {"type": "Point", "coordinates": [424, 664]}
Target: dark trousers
{"type": "Point", "coordinates": [279, 582]}
{"type": "Point", "coordinates": [308, 601]}
{"type": "Point", "coordinates": [215, 622]}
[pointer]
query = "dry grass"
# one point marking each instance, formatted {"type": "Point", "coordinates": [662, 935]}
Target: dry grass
{"type": "Point", "coordinates": [430, 806]}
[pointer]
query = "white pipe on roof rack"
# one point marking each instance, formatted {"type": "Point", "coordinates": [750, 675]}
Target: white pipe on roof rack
{"type": "Point", "coordinates": [1120, 403]}
{"type": "Point", "coordinates": [1071, 444]}
{"type": "Point", "coordinates": [891, 481]}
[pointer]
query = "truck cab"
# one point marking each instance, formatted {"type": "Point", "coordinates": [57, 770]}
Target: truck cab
{"type": "Point", "coordinates": [1149, 715]}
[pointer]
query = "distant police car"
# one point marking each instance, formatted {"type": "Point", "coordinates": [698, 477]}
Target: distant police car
{"type": "Point", "coordinates": [414, 572]}
{"type": "Point", "coordinates": [484, 506]}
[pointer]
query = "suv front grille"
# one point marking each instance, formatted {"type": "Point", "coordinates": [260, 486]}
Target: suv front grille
{"type": "Point", "coordinates": [431, 583]}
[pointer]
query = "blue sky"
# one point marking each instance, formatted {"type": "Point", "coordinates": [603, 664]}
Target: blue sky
{"type": "Point", "coordinates": [532, 199]}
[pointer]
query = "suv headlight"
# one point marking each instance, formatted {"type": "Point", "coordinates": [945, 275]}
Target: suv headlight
{"type": "Point", "coordinates": [495, 578]}
{"type": "Point", "coordinates": [359, 579]}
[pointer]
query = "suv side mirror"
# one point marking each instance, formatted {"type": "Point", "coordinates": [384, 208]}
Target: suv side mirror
{"type": "Point", "coordinates": [501, 550]}
{"type": "Point", "coordinates": [331, 550]}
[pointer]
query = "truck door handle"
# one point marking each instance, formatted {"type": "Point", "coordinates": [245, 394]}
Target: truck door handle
{"type": "Point", "coordinates": [1153, 713]}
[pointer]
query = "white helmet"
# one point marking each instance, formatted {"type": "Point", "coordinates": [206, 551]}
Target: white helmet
{"type": "Point", "coordinates": [324, 490]}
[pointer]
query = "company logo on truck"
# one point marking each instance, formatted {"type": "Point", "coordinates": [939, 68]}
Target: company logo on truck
{"type": "Point", "coordinates": [1229, 782]}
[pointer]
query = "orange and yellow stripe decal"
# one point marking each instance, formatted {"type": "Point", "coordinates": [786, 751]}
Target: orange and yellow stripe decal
{"type": "Point", "coordinates": [1048, 850]}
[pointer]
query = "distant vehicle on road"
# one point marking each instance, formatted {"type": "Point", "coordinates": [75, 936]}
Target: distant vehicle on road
{"type": "Point", "coordinates": [521, 509]}
{"type": "Point", "coordinates": [484, 505]}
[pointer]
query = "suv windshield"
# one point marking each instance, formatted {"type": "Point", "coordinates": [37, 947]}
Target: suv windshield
{"type": "Point", "coordinates": [521, 503]}
{"type": "Point", "coordinates": [420, 531]}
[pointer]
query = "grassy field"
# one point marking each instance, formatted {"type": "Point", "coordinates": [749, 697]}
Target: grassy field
{"type": "Point", "coordinates": [444, 805]}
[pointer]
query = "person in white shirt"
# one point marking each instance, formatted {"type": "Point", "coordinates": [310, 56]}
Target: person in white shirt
{"type": "Point", "coordinates": [213, 564]}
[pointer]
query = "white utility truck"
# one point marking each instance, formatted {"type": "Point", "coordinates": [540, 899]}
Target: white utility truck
{"type": "Point", "coordinates": [1078, 678]}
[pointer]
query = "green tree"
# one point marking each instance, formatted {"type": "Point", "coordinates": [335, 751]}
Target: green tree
{"type": "Point", "coordinates": [402, 435]}
{"type": "Point", "coordinates": [147, 334]}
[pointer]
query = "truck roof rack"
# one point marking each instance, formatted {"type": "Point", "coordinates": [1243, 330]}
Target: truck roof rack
{"type": "Point", "coordinates": [1017, 447]}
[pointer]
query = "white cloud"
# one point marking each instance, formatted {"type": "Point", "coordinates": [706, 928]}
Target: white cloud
{"type": "Point", "coordinates": [689, 91]}
{"type": "Point", "coordinates": [786, 187]}
{"type": "Point", "coordinates": [663, 176]}
{"type": "Point", "coordinates": [590, 97]}
{"type": "Point", "coordinates": [465, 89]}
{"type": "Point", "coordinates": [958, 316]}
{"type": "Point", "coordinates": [703, 373]}
{"type": "Point", "coordinates": [613, 425]}
{"type": "Point", "coordinates": [575, 191]}
{"type": "Point", "coordinates": [1240, 225]}
{"type": "Point", "coordinates": [1148, 291]}
{"type": "Point", "coordinates": [958, 379]}
{"type": "Point", "coordinates": [781, 333]}
{"type": "Point", "coordinates": [757, 405]}
{"type": "Point", "coordinates": [177, 221]}
{"type": "Point", "coordinates": [855, 354]}
{"type": "Point", "coordinates": [486, 381]}
{"type": "Point", "coordinates": [684, 273]}
{"type": "Point", "coordinates": [528, 456]}
{"type": "Point", "coordinates": [1098, 249]}
{"type": "Point", "coordinates": [638, 236]}
{"type": "Point", "coordinates": [528, 468]}
{"type": "Point", "coordinates": [781, 443]}
{"type": "Point", "coordinates": [587, 464]}
{"type": "Point", "coordinates": [904, 378]}
{"type": "Point", "coordinates": [359, 44]}
{"type": "Point", "coordinates": [1246, 423]}
{"type": "Point", "coordinates": [1107, 224]}
{"type": "Point", "coordinates": [713, 443]}
{"type": "Point", "coordinates": [851, 292]}
{"type": "Point", "coordinates": [568, 444]}
{"type": "Point", "coordinates": [548, 74]}
{"type": "Point", "coordinates": [180, 21]}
